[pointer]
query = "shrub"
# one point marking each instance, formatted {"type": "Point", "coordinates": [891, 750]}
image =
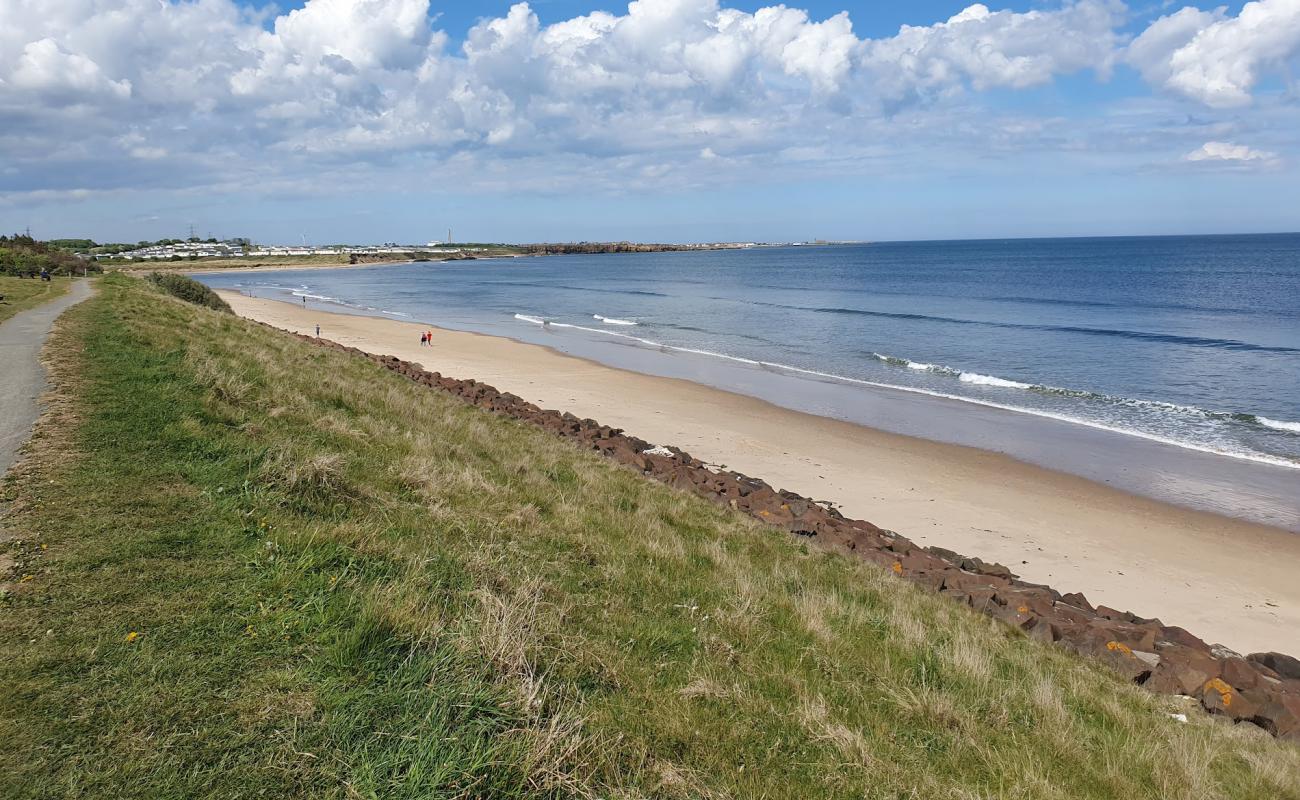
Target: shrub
{"type": "Point", "coordinates": [23, 255]}
{"type": "Point", "coordinates": [189, 290]}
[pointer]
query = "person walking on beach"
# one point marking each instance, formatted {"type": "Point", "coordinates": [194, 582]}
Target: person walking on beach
{"type": "Point", "coordinates": [430, 338]}
{"type": "Point", "coordinates": [317, 331]}
{"type": "Point", "coordinates": [424, 339]}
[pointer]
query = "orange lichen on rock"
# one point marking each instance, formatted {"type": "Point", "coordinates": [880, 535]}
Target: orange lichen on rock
{"type": "Point", "coordinates": [1224, 691]}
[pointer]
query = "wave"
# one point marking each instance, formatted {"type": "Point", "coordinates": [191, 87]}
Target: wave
{"type": "Point", "coordinates": [530, 318]}
{"type": "Point", "coordinates": [920, 366]}
{"type": "Point", "coordinates": [1261, 458]}
{"type": "Point", "coordinates": [1122, 333]}
{"type": "Point", "coordinates": [321, 297]}
{"type": "Point", "coordinates": [1280, 425]}
{"type": "Point", "coordinates": [990, 380]}
{"type": "Point", "coordinates": [1082, 394]}
{"type": "Point", "coordinates": [612, 320]}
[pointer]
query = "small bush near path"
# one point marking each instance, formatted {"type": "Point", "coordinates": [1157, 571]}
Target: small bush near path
{"type": "Point", "coordinates": [243, 566]}
{"type": "Point", "coordinates": [189, 290]}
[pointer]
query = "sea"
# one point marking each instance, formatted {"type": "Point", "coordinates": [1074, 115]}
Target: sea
{"type": "Point", "coordinates": [1168, 366]}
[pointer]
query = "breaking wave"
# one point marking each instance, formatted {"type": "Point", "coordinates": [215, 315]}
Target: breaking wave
{"type": "Point", "coordinates": [1123, 333]}
{"type": "Point", "coordinates": [1279, 425]}
{"type": "Point", "coordinates": [984, 380]}
{"type": "Point", "coordinates": [991, 380]}
{"type": "Point", "coordinates": [612, 320]}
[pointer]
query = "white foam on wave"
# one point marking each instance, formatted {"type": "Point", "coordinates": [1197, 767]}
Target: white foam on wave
{"type": "Point", "coordinates": [992, 380]}
{"type": "Point", "coordinates": [1260, 458]}
{"type": "Point", "coordinates": [530, 318]}
{"type": "Point", "coordinates": [322, 297]}
{"type": "Point", "coordinates": [1279, 425]}
{"type": "Point", "coordinates": [612, 320]}
{"type": "Point", "coordinates": [977, 379]}
{"type": "Point", "coordinates": [919, 366]}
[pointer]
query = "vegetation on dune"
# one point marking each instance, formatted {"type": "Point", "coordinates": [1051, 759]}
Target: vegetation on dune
{"type": "Point", "coordinates": [20, 294]}
{"type": "Point", "coordinates": [247, 566]}
{"type": "Point", "coordinates": [23, 255]}
{"type": "Point", "coordinates": [189, 290]}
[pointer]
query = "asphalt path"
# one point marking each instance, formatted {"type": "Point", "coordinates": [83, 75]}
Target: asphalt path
{"type": "Point", "coordinates": [22, 378]}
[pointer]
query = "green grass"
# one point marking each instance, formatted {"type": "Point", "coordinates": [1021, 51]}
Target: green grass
{"type": "Point", "coordinates": [188, 289]}
{"type": "Point", "coordinates": [345, 585]}
{"type": "Point", "coordinates": [21, 294]}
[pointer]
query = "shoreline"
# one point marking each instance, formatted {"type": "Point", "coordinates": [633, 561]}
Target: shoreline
{"type": "Point", "coordinates": [1225, 579]}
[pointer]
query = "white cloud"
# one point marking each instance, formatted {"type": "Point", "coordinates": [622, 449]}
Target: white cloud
{"type": "Point", "coordinates": [44, 68]}
{"type": "Point", "coordinates": [1217, 59]}
{"type": "Point", "coordinates": [214, 93]}
{"type": "Point", "coordinates": [1225, 151]}
{"type": "Point", "coordinates": [1002, 48]}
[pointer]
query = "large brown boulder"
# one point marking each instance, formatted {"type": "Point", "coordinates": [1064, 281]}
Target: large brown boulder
{"type": "Point", "coordinates": [1285, 666]}
{"type": "Point", "coordinates": [1220, 698]}
{"type": "Point", "coordinates": [1182, 670]}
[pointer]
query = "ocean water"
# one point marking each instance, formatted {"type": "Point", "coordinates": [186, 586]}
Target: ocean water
{"type": "Point", "coordinates": [1188, 344]}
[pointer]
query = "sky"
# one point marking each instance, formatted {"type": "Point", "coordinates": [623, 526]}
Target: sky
{"type": "Point", "coordinates": [336, 121]}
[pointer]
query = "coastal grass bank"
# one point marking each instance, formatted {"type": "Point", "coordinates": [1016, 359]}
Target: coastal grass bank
{"type": "Point", "coordinates": [20, 294]}
{"type": "Point", "coordinates": [242, 565]}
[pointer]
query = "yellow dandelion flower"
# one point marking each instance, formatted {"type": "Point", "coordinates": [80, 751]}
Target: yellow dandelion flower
{"type": "Point", "coordinates": [132, 636]}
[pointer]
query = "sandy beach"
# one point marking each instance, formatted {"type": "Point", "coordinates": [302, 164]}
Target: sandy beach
{"type": "Point", "coordinates": [1226, 580]}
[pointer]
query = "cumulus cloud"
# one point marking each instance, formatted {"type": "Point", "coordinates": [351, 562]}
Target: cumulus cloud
{"type": "Point", "coordinates": [991, 49]}
{"type": "Point", "coordinates": [47, 70]}
{"type": "Point", "coordinates": [1215, 58]}
{"type": "Point", "coordinates": [213, 92]}
{"type": "Point", "coordinates": [1227, 152]}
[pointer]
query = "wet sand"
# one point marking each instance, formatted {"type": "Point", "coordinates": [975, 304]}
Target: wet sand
{"type": "Point", "coordinates": [1224, 579]}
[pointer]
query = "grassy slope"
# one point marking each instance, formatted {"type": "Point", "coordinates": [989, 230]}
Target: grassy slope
{"type": "Point", "coordinates": [24, 293]}
{"type": "Point", "coordinates": [345, 585]}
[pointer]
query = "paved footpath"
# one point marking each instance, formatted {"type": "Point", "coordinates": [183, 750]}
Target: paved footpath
{"type": "Point", "coordinates": [22, 378]}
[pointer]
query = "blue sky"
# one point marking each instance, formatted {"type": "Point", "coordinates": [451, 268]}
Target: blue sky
{"type": "Point", "coordinates": [670, 120]}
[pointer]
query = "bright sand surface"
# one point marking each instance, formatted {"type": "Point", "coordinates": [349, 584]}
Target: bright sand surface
{"type": "Point", "coordinates": [1225, 580]}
